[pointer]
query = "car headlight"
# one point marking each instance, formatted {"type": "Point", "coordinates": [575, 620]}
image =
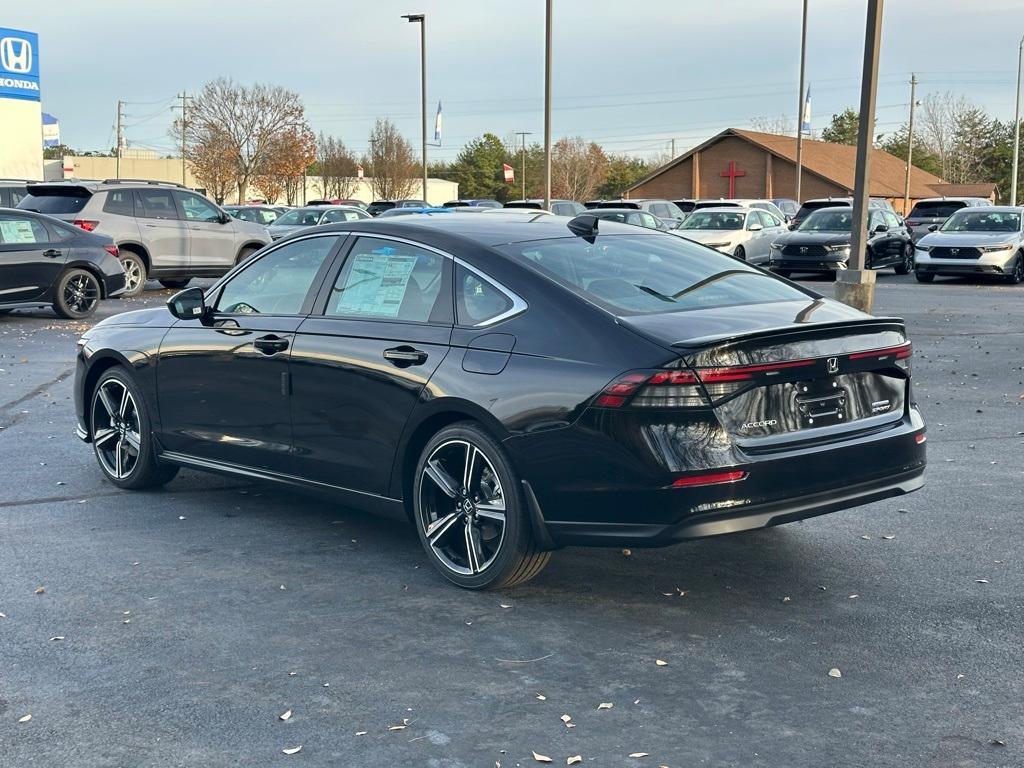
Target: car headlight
{"type": "Point", "coordinates": [995, 248]}
{"type": "Point", "coordinates": [837, 248]}
{"type": "Point", "coordinates": [924, 248]}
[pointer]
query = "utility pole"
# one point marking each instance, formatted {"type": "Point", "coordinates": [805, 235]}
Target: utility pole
{"type": "Point", "coordinates": [1016, 127]}
{"type": "Point", "coordinates": [673, 157]}
{"type": "Point", "coordinates": [421, 19]}
{"type": "Point", "coordinates": [800, 107]}
{"type": "Point", "coordinates": [185, 98]}
{"type": "Point", "coordinates": [120, 138]}
{"type": "Point", "coordinates": [547, 105]}
{"type": "Point", "coordinates": [910, 143]}
{"type": "Point", "coordinates": [523, 135]}
{"type": "Point", "coordinates": [855, 286]}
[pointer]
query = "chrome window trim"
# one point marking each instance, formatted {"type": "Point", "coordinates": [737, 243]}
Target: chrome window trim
{"type": "Point", "coordinates": [519, 304]}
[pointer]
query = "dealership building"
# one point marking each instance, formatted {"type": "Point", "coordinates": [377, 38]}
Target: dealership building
{"type": "Point", "coordinates": [21, 114]}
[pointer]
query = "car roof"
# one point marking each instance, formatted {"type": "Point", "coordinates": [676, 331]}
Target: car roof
{"type": "Point", "coordinates": [995, 209]}
{"type": "Point", "coordinates": [480, 230]}
{"type": "Point", "coordinates": [949, 198]}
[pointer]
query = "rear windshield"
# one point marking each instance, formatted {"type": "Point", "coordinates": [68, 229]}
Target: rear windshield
{"type": "Point", "coordinates": [936, 209]}
{"type": "Point", "coordinates": [807, 208]}
{"type": "Point", "coordinates": [300, 217]}
{"type": "Point", "coordinates": [649, 274]}
{"type": "Point", "coordinates": [55, 201]}
{"type": "Point", "coordinates": [982, 221]}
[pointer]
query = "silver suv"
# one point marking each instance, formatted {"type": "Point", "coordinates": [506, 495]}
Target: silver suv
{"type": "Point", "coordinates": [163, 231]}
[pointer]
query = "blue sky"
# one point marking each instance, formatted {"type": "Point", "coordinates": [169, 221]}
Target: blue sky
{"type": "Point", "coordinates": [629, 76]}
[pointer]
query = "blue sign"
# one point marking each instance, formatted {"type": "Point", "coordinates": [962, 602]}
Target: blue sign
{"type": "Point", "coordinates": [19, 64]}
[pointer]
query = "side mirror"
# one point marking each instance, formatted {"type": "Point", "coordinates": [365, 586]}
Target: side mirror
{"type": "Point", "coordinates": [933, 227]}
{"type": "Point", "coordinates": [755, 227]}
{"type": "Point", "coordinates": [189, 304]}
{"type": "Point", "coordinates": [881, 228]}
{"type": "Point", "coordinates": [791, 227]}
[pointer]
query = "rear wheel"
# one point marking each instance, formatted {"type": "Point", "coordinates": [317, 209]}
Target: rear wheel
{"type": "Point", "coordinates": [175, 284]}
{"type": "Point", "coordinates": [1017, 276]}
{"type": "Point", "coordinates": [77, 294]}
{"type": "Point", "coordinates": [470, 512]}
{"type": "Point", "coordinates": [121, 435]}
{"type": "Point", "coordinates": [134, 273]}
{"type": "Point", "coordinates": [925, 277]}
{"type": "Point", "coordinates": [906, 266]}
{"type": "Point", "coordinates": [740, 253]}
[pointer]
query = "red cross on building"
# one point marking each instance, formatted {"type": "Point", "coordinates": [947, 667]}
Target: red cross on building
{"type": "Point", "coordinates": [732, 174]}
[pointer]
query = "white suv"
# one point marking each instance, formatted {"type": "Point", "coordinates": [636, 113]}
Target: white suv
{"type": "Point", "coordinates": [163, 231]}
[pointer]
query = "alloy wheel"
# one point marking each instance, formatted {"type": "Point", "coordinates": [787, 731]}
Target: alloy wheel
{"type": "Point", "coordinates": [116, 433]}
{"type": "Point", "coordinates": [81, 292]}
{"type": "Point", "coordinates": [132, 275]}
{"type": "Point", "coordinates": [462, 507]}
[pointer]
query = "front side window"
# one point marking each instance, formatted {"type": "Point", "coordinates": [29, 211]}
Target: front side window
{"type": "Point", "coordinates": [21, 230]}
{"type": "Point", "coordinates": [157, 204]}
{"type": "Point", "coordinates": [649, 273]}
{"type": "Point", "coordinates": [476, 299]}
{"type": "Point", "coordinates": [982, 221]}
{"type": "Point", "coordinates": [198, 209]}
{"type": "Point", "coordinates": [277, 283]}
{"type": "Point", "coordinates": [648, 221]}
{"type": "Point", "coordinates": [388, 280]}
{"type": "Point", "coordinates": [890, 220]}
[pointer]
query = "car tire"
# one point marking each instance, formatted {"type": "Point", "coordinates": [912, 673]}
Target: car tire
{"type": "Point", "coordinates": [76, 294]}
{"type": "Point", "coordinates": [1017, 276]}
{"type": "Point", "coordinates": [925, 277]}
{"type": "Point", "coordinates": [135, 273]}
{"type": "Point", "coordinates": [740, 253]}
{"type": "Point", "coordinates": [907, 265]}
{"type": "Point", "coordinates": [474, 525]}
{"type": "Point", "coordinates": [122, 436]}
{"type": "Point", "coordinates": [175, 285]}
{"type": "Point", "coordinates": [245, 255]}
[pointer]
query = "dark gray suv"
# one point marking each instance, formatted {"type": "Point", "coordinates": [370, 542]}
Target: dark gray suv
{"type": "Point", "coordinates": [163, 231]}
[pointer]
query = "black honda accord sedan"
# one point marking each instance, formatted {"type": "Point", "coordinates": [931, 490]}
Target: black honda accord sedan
{"type": "Point", "coordinates": [515, 385]}
{"type": "Point", "coordinates": [47, 263]}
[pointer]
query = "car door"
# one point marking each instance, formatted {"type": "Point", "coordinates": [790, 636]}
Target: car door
{"type": "Point", "coordinates": [163, 232]}
{"type": "Point", "coordinates": [31, 257]}
{"type": "Point", "coordinates": [361, 361]}
{"type": "Point", "coordinates": [773, 228]}
{"type": "Point", "coordinates": [898, 237]}
{"type": "Point", "coordinates": [211, 239]}
{"type": "Point", "coordinates": [223, 380]}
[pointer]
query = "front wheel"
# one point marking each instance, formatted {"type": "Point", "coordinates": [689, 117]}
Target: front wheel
{"type": "Point", "coordinates": [77, 294]}
{"type": "Point", "coordinates": [470, 511]}
{"type": "Point", "coordinates": [740, 253]}
{"type": "Point", "coordinates": [925, 277]}
{"type": "Point", "coordinates": [906, 266]}
{"type": "Point", "coordinates": [122, 438]}
{"type": "Point", "coordinates": [1017, 276]}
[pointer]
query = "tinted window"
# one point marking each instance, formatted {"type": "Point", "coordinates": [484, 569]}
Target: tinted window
{"type": "Point", "coordinates": [56, 201]}
{"type": "Point", "coordinates": [477, 300]}
{"type": "Point", "coordinates": [17, 195]}
{"type": "Point", "coordinates": [121, 202]}
{"type": "Point", "coordinates": [334, 216]}
{"type": "Point", "coordinates": [157, 204]}
{"type": "Point", "coordinates": [21, 230]}
{"type": "Point", "coordinates": [982, 221]}
{"type": "Point", "coordinates": [277, 283]}
{"type": "Point", "coordinates": [713, 220]}
{"type": "Point", "coordinates": [649, 273]}
{"type": "Point", "coordinates": [828, 221]}
{"type": "Point", "coordinates": [939, 209]}
{"type": "Point", "coordinates": [198, 209]}
{"type": "Point", "coordinates": [387, 280]}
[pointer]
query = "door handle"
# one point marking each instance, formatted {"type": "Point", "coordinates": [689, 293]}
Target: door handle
{"type": "Point", "coordinates": [405, 355]}
{"type": "Point", "coordinates": [271, 344]}
{"type": "Point", "coordinates": [52, 253]}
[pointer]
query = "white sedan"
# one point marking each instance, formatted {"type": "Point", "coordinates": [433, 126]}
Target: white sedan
{"type": "Point", "coordinates": [745, 233]}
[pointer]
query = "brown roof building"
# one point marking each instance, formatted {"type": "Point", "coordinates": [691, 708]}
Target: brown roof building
{"type": "Point", "coordinates": [740, 163]}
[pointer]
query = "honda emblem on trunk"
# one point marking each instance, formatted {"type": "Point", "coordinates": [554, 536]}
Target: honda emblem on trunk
{"type": "Point", "coordinates": [833, 364]}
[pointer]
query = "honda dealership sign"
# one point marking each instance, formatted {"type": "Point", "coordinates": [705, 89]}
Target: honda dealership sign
{"type": "Point", "coordinates": [19, 65]}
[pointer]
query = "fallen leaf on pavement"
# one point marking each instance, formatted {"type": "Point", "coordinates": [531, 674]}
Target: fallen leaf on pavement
{"type": "Point", "coordinates": [361, 733]}
{"type": "Point", "coordinates": [834, 672]}
{"type": "Point", "coordinates": [292, 750]}
{"type": "Point", "coordinates": [24, 719]}
{"type": "Point", "coordinates": [505, 605]}
{"type": "Point", "coordinates": [3, 615]}
{"type": "Point", "coordinates": [58, 637]}
{"type": "Point", "coordinates": [574, 760]}
{"type": "Point", "coordinates": [889, 536]}
{"type": "Point", "coordinates": [661, 663]}
{"type": "Point", "coordinates": [541, 758]}
{"type": "Point", "coordinates": [285, 715]}
{"type": "Point", "coordinates": [981, 581]}
{"type": "Point", "coordinates": [787, 599]}
{"type": "Point", "coordinates": [541, 697]}
{"type": "Point", "coordinates": [40, 590]}
{"type": "Point", "coordinates": [565, 718]}
{"type": "Point", "coordinates": [626, 552]}
{"type": "Point", "coordinates": [605, 705]}
{"type": "Point", "coordinates": [639, 754]}
{"type": "Point", "coordinates": [854, 597]}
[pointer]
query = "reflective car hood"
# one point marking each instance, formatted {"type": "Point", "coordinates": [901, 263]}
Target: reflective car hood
{"type": "Point", "coordinates": [156, 317]}
{"type": "Point", "coordinates": [969, 238]}
{"type": "Point", "coordinates": [249, 227]}
{"type": "Point", "coordinates": [710, 235]}
{"type": "Point", "coordinates": [815, 238]}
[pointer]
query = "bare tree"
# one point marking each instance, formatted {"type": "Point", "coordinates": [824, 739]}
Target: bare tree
{"type": "Point", "coordinates": [250, 120]}
{"type": "Point", "coordinates": [781, 125]}
{"type": "Point", "coordinates": [577, 168]}
{"type": "Point", "coordinates": [392, 162]}
{"type": "Point", "coordinates": [336, 167]}
{"type": "Point", "coordinates": [940, 115]}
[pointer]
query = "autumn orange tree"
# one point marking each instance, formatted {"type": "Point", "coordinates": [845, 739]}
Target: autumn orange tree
{"type": "Point", "coordinates": [292, 154]}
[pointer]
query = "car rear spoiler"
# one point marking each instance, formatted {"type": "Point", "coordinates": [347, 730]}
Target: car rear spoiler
{"type": "Point", "coordinates": [789, 329]}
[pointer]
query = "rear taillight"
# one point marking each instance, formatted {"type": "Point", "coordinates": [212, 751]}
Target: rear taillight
{"type": "Point", "coordinates": [900, 355]}
{"type": "Point", "coordinates": [112, 250]}
{"type": "Point", "coordinates": [86, 224]}
{"type": "Point", "coordinates": [709, 478]}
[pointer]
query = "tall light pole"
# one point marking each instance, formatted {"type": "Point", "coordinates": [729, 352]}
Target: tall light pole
{"type": "Point", "coordinates": [800, 106]}
{"type": "Point", "coordinates": [910, 143]}
{"type": "Point", "coordinates": [855, 286]}
{"type": "Point", "coordinates": [421, 19]}
{"type": "Point", "coordinates": [1016, 128]}
{"type": "Point", "coordinates": [547, 104]}
{"type": "Point", "coordinates": [524, 134]}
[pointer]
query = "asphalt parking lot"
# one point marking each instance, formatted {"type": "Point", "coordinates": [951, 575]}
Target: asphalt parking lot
{"type": "Point", "coordinates": [175, 627]}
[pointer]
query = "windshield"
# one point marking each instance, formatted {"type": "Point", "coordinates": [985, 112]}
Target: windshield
{"type": "Point", "coordinates": [982, 221]}
{"type": "Point", "coordinates": [647, 274]}
{"type": "Point", "coordinates": [300, 217]}
{"type": "Point", "coordinates": [713, 220]}
{"type": "Point", "coordinates": [939, 209]}
{"type": "Point", "coordinates": [828, 221]}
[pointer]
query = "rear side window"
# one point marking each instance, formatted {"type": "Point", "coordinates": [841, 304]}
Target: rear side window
{"type": "Point", "coordinates": [649, 274]}
{"type": "Point", "coordinates": [476, 299]}
{"type": "Point", "coordinates": [56, 201]}
{"type": "Point", "coordinates": [157, 204]}
{"type": "Point", "coordinates": [121, 202]}
{"type": "Point", "coordinates": [939, 209]}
